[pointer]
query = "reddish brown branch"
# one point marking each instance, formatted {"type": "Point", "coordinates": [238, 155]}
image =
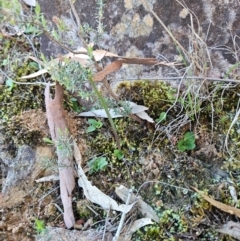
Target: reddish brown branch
{"type": "Point", "coordinates": [59, 133]}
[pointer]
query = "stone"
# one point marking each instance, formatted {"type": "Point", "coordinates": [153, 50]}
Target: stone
{"type": "Point", "coordinates": [44, 165]}
{"type": "Point", "coordinates": [130, 25]}
{"type": "Point", "coordinates": [74, 235]}
{"type": "Point", "coordinates": [19, 168]}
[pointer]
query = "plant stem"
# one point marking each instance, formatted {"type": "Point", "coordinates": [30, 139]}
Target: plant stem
{"type": "Point", "coordinates": [104, 105]}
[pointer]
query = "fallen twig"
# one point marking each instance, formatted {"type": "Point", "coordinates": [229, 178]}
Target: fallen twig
{"type": "Point", "coordinates": [122, 218]}
{"type": "Point", "coordinates": [59, 133]}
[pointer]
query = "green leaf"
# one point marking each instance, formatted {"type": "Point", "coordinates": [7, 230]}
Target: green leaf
{"type": "Point", "coordinates": [92, 122]}
{"type": "Point", "coordinates": [43, 20]}
{"type": "Point", "coordinates": [188, 142]}
{"type": "Point", "coordinates": [95, 123]}
{"type": "Point", "coordinates": [169, 96]}
{"type": "Point", "coordinates": [189, 136]}
{"type": "Point", "coordinates": [190, 146]}
{"type": "Point", "coordinates": [55, 34]}
{"type": "Point", "coordinates": [91, 128]}
{"type": "Point", "coordinates": [31, 29]}
{"type": "Point", "coordinates": [98, 124]}
{"type": "Point", "coordinates": [73, 99]}
{"type": "Point", "coordinates": [5, 62]}
{"type": "Point", "coordinates": [74, 105]}
{"type": "Point", "coordinates": [37, 10]}
{"type": "Point", "coordinates": [90, 51]}
{"type": "Point", "coordinates": [47, 140]}
{"type": "Point", "coordinates": [39, 225]}
{"type": "Point", "coordinates": [43, 58]}
{"type": "Point", "coordinates": [181, 146]}
{"type": "Point", "coordinates": [34, 65]}
{"type": "Point", "coordinates": [119, 154]}
{"type": "Point", "coordinates": [10, 84]}
{"type": "Point", "coordinates": [102, 162]}
{"type": "Point", "coordinates": [97, 164]}
{"type": "Point", "coordinates": [162, 117]}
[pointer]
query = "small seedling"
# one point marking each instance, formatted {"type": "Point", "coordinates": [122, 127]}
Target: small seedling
{"type": "Point", "coordinates": [5, 62]}
{"type": "Point", "coordinates": [48, 141]}
{"type": "Point", "coordinates": [64, 144]}
{"type": "Point", "coordinates": [10, 83]}
{"type": "Point", "coordinates": [97, 164]}
{"type": "Point", "coordinates": [94, 125]}
{"type": "Point", "coordinates": [187, 143]}
{"type": "Point", "coordinates": [119, 154]}
{"type": "Point", "coordinates": [74, 105]}
{"type": "Point", "coordinates": [39, 226]}
{"type": "Point", "coordinates": [162, 117]}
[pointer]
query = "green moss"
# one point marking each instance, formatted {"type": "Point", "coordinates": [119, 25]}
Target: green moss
{"type": "Point", "coordinates": [171, 223]}
{"type": "Point", "coordinates": [19, 98]}
{"type": "Point", "coordinates": [156, 95]}
{"type": "Point", "coordinates": [222, 111]}
{"type": "Point", "coordinates": [82, 209]}
{"type": "Point", "coordinates": [14, 102]}
{"type": "Point", "coordinates": [102, 142]}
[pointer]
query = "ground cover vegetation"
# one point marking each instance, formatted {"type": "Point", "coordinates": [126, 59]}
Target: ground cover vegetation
{"type": "Point", "coordinates": [188, 138]}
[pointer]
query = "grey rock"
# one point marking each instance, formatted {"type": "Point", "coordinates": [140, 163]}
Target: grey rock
{"type": "Point", "coordinates": [131, 30]}
{"type": "Point", "coordinates": [18, 168]}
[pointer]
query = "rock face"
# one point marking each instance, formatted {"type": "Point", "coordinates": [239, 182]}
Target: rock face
{"type": "Point", "coordinates": [131, 29]}
{"type": "Point", "coordinates": [19, 168]}
{"type": "Point", "coordinates": [18, 173]}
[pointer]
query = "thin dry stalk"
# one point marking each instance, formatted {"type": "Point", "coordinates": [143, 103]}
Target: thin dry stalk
{"type": "Point", "coordinates": [105, 82]}
{"type": "Point", "coordinates": [116, 237]}
{"type": "Point", "coordinates": [235, 119]}
{"type": "Point", "coordinates": [148, 8]}
{"type": "Point", "coordinates": [183, 77]}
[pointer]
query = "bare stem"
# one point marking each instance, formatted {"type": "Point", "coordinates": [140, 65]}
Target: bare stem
{"type": "Point", "coordinates": [104, 105]}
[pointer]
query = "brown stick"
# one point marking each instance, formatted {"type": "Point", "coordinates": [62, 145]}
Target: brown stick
{"type": "Point", "coordinates": [59, 133]}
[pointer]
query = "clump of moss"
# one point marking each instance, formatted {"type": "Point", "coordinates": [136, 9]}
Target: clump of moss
{"type": "Point", "coordinates": [102, 142]}
{"type": "Point", "coordinates": [158, 96]}
{"type": "Point", "coordinates": [13, 102]}
{"type": "Point", "coordinates": [178, 170]}
{"type": "Point", "coordinates": [222, 111]}
{"type": "Point", "coordinates": [20, 98]}
{"type": "Point", "coordinates": [224, 101]}
{"type": "Point", "coordinates": [135, 138]}
{"type": "Point", "coordinates": [27, 128]}
{"type": "Point", "coordinates": [82, 209]}
{"type": "Point", "coordinates": [127, 130]}
{"type": "Point", "coordinates": [16, 98]}
{"type": "Point", "coordinates": [171, 224]}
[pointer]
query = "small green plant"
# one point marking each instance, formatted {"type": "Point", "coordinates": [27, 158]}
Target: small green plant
{"type": "Point", "coordinates": [49, 164]}
{"type": "Point", "coordinates": [162, 117]}
{"type": "Point", "coordinates": [72, 75]}
{"type": "Point", "coordinates": [74, 105]}
{"type": "Point", "coordinates": [231, 70]}
{"type": "Point", "coordinates": [39, 226]}
{"type": "Point", "coordinates": [10, 83]}
{"type": "Point", "coordinates": [94, 125]}
{"type": "Point", "coordinates": [119, 154]}
{"type": "Point", "coordinates": [48, 141]}
{"type": "Point", "coordinates": [187, 143]}
{"type": "Point", "coordinates": [97, 164]}
{"type": "Point", "coordinates": [64, 144]}
{"type": "Point", "coordinates": [99, 16]}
